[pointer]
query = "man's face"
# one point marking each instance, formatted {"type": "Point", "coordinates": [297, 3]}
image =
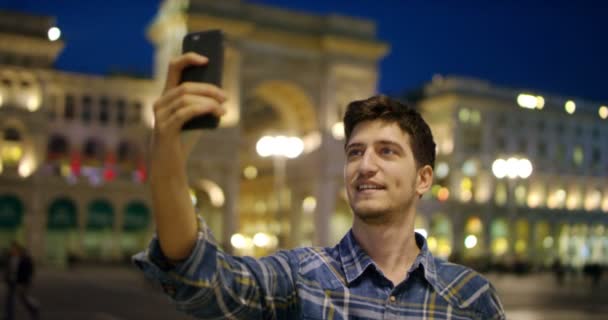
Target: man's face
{"type": "Point", "coordinates": [380, 172]}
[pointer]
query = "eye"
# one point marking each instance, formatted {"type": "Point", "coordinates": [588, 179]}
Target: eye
{"type": "Point", "coordinates": [387, 151]}
{"type": "Point", "coordinates": [354, 153]}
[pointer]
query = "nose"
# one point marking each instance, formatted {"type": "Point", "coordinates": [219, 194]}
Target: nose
{"type": "Point", "coordinates": [368, 165]}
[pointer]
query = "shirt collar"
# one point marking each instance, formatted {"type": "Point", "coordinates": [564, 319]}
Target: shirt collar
{"type": "Point", "coordinates": [355, 261]}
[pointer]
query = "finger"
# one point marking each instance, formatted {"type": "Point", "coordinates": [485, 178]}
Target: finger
{"type": "Point", "coordinates": [184, 102]}
{"type": "Point", "coordinates": [177, 65]}
{"type": "Point", "coordinates": [176, 120]}
{"type": "Point", "coordinates": [192, 88]}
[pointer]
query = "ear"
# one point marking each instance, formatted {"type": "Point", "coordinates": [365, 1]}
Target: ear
{"type": "Point", "coordinates": [424, 180]}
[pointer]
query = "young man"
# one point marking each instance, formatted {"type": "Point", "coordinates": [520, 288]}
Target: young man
{"type": "Point", "coordinates": [381, 269]}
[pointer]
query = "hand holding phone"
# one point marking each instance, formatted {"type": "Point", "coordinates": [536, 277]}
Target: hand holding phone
{"type": "Point", "coordinates": [210, 44]}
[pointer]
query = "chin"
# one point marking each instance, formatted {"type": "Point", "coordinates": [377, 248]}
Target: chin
{"type": "Point", "coordinates": [369, 212]}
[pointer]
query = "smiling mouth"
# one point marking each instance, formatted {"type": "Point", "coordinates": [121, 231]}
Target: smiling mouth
{"type": "Point", "coordinates": [368, 187]}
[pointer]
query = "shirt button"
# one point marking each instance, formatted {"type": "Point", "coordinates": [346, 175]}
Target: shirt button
{"type": "Point", "coordinates": [392, 298]}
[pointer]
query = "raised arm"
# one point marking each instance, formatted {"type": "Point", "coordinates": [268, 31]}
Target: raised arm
{"type": "Point", "coordinates": [173, 210]}
{"type": "Point", "coordinates": [183, 258]}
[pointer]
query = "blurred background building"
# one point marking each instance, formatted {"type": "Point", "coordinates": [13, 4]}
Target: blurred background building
{"type": "Point", "coordinates": [520, 176]}
{"type": "Point", "coordinates": [72, 150]}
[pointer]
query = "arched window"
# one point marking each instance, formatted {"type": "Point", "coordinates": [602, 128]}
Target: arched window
{"type": "Point", "coordinates": [58, 148]}
{"type": "Point", "coordinates": [128, 159]}
{"type": "Point", "coordinates": [93, 152]}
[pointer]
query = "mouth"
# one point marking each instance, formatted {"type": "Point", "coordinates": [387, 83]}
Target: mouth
{"type": "Point", "coordinates": [368, 187]}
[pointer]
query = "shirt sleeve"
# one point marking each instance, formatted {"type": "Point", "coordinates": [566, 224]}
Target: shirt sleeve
{"type": "Point", "coordinates": [211, 284]}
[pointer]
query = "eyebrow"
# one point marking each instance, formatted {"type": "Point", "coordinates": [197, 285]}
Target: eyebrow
{"type": "Point", "coordinates": [352, 145]}
{"type": "Point", "coordinates": [391, 143]}
{"type": "Point", "coordinates": [381, 142]}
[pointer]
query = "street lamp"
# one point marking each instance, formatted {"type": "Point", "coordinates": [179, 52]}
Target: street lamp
{"type": "Point", "coordinates": [512, 168]}
{"type": "Point", "coordinates": [280, 148]}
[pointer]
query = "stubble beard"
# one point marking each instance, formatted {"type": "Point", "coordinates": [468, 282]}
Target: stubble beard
{"type": "Point", "coordinates": [383, 215]}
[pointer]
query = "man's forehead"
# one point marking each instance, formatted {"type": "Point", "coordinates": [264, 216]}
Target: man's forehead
{"type": "Point", "coordinates": [378, 131]}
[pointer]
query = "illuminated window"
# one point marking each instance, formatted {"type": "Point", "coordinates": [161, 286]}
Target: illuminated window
{"type": "Point", "coordinates": [473, 241]}
{"type": "Point", "coordinates": [469, 168]}
{"type": "Point", "coordinates": [440, 236]}
{"type": "Point", "coordinates": [474, 225]}
{"type": "Point", "coordinates": [578, 156]}
{"type": "Point", "coordinates": [522, 231]}
{"type": "Point", "coordinates": [475, 117]}
{"type": "Point", "coordinates": [466, 190]}
{"type": "Point", "coordinates": [499, 233]}
{"type": "Point", "coordinates": [464, 115]}
{"type": "Point", "coordinates": [500, 194]}
{"type": "Point", "coordinates": [536, 195]}
{"type": "Point", "coordinates": [593, 200]}
{"type": "Point", "coordinates": [12, 149]}
{"type": "Point", "coordinates": [521, 193]}
{"type": "Point", "coordinates": [573, 200]}
{"type": "Point", "coordinates": [556, 199]}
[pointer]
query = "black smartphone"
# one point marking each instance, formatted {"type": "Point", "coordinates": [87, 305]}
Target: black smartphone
{"type": "Point", "coordinates": [210, 44]}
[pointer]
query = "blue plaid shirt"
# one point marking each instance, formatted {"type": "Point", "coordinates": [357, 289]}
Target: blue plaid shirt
{"type": "Point", "coordinates": [341, 282]}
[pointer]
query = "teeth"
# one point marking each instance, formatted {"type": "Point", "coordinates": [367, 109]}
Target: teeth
{"type": "Point", "coordinates": [367, 186]}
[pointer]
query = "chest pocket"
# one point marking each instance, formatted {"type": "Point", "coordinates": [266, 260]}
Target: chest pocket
{"type": "Point", "coordinates": [321, 295]}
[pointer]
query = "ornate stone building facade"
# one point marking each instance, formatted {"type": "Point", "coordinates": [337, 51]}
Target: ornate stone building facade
{"type": "Point", "coordinates": [555, 205]}
{"type": "Point", "coordinates": [74, 146]}
{"type": "Point", "coordinates": [73, 151]}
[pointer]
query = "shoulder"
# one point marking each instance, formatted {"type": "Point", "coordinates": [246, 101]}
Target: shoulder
{"type": "Point", "coordinates": [313, 257]}
{"type": "Point", "coordinates": [316, 263]}
{"type": "Point", "coordinates": [467, 289]}
{"type": "Point", "coordinates": [301, 259]}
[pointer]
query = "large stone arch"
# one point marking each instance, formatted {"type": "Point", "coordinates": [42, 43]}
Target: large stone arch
{"type": "Point", "coordinates": [291, 102]}
{"type": "Point", "coordinates": [285, 73]}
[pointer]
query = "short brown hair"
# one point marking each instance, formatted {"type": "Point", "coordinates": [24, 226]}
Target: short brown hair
{"type": "Point", "coordinates": [389, 110]}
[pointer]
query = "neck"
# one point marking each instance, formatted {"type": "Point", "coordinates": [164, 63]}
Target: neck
{"type": "Point", "coordinates": [392, 246]}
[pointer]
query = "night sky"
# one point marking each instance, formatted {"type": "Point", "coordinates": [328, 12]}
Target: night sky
{"type": "Point", "coordinates": [557, 47]}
